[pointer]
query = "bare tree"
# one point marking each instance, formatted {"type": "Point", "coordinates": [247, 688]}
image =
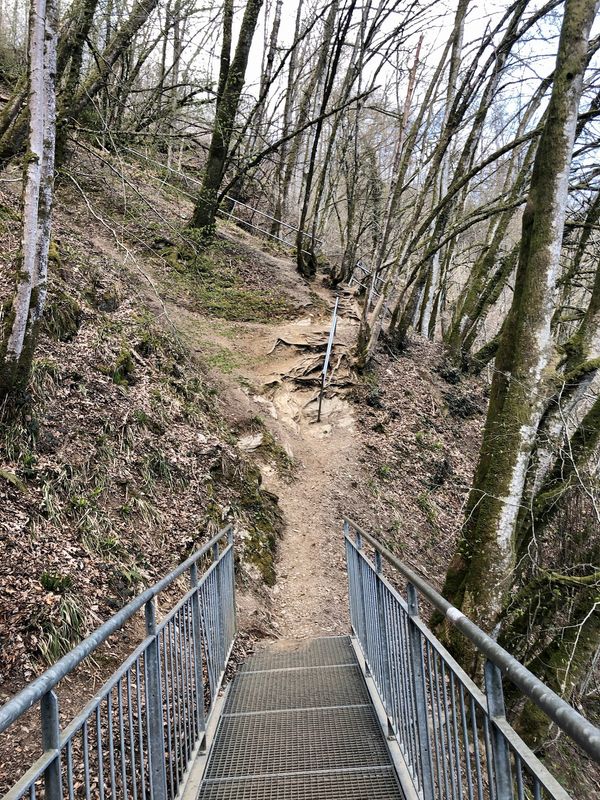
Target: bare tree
{"type": "Point", "coordinates": [206, 206]}
{"type": "Point", "coordinates": [21, 325]}
{"type": "Point", "coordinates": [480, 574]}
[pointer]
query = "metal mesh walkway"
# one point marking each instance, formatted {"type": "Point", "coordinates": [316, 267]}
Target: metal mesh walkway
{"type": "Point", "coordinates": [298, 724]}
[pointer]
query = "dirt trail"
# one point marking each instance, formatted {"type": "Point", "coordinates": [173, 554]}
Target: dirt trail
{"type": "Point", "coordinates": [309, 598]}
{"type": "Point", "coordinates": [276, 378]}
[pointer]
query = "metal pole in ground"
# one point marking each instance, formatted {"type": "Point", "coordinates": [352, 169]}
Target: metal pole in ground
{"type": "Point", "coordinates": [327, 356]}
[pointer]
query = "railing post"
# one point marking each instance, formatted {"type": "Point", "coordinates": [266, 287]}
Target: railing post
{"type": "Point", "coordinates": [154, 710]}
{"type": "Point", "coordinates": [418, 676]}
{"type": "Point", "coordinates": [362, 634]}
{"type": "Point", "coordinates": [385, 654]}
{"type": "Point", "coordinates": [500, 752]}
{"type": "Point", "coordinates": [198, 672]}
{"type": "Point", "coordinates": [51, 741]}
{"type": "Point", "coordinates": [233, 606]}
{"type": "Point", "coordinates": [219, 610]}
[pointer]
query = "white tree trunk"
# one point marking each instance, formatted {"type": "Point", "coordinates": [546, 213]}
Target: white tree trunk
{"type": "Point", "coordinates": [33, 177]}
{"type": "Point", "coordinates": [40, 280]}
{"type": "Point", "coordinates": [32, 263]}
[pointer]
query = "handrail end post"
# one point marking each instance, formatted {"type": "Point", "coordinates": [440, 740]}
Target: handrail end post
{"type": "Point", "coordinates": [496, 710]}
{"type": "Point", "coordinates": [50, 725]}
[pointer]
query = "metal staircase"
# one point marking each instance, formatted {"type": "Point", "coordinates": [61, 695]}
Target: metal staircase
{"type": "Point", "coordinates": [298, 722]}
{"type": "Point", "coordinates": [383, 714]}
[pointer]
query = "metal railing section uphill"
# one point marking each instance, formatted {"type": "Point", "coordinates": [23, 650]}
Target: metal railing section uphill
{"type": "Point", "coordinates": [139, 735]}
{"type": "Point", "coordinates": [454, 739]}
{"type": "Point", "coordinates": [330, 339]}
{"type": "Point", "coordinates": [250, 223]}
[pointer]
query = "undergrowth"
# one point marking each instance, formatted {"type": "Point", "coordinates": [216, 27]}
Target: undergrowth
{"type": "Point", "coordinates": [212, 281]}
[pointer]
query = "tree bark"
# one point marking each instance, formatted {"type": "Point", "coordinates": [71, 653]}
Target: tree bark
{"type": "Point", "coordinates": [207, 202]}
{"type": "Point", "coordinates": [20, 333]}
{"type": "Point", "coordinates": [481, 570]}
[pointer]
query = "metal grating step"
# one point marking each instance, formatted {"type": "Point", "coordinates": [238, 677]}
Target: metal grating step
{"type": "Point", "coordinates": [299, 653]}
{"type": "Point", "coordinates": [293, 741]}
{"type": "Point", "coordinates": [351, 785]}
{"type": "Point", "coordinates": [308, 688]}
{"type": "Point", "coordinates": [298, 724]}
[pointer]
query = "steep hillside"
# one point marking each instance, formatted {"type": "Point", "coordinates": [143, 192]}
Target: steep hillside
{"type": "Point", "coordinates": [171, 395]}
{"type": "Point", "coordinates": [125, 462]}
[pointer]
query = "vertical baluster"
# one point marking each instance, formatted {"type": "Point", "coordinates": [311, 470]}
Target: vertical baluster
{"type": "Point", "coordinates": [351, 580]}
{"type": "Point", "coordinates": [188, 684]}
{"type": "Point", "coordinates": [188, 642]}
{"type": "Point", "coordinates": [182, 689]}
{"type": "Point", "coordinates": [197, 638]}
{"type": "Point", "coordinates": [500, 751]}
{"type": "Point", "coordinates": [489, 759]}
{"type": "Point", "coordinates": [140, 725]}
{"type": "Point", "coordinates": [50, 724]}
{"type": "Point", "coordinates": [167, 689]}
{"type": "Point", "coordinates": [416, 654]}
{"type": "Point", "coordinates": [465, 733]}
{"type": "Point", "coordinates": [410, 736]}
{"type": "Point", "coordinates": [362, 625]}
{"type": "Point", "coordinates": [184, 682]}
{"type": "Point", "coordinates": [232, 579]}
{"type": "Point", "coordinates": [122, 737]}
{"type": "Point", "coordinates": [217, 614]}
{"type": "Point", "coordinates": [179, 713]}
{"type": "Point", "coordinates": [393, 726]}
{"type": "Point", "coordinates": [222, 620]}
{"type": "Point", "coordinates": [190, 674]}
{"type": "Point", "coordinates": [86, 759]}
{"type": "Point", "coordinates": [70, 779]}
{"type": "Point", "coordinates": [442, 728]}
{"type": "Point", "coordinates": [208, 628]}
{"type": "Point", "coordinates": [455, 734]}
{"type": "Point", "coordinates": [177, 746]}
{"type": "Point", "coordinates": [133, 765]}
{"type": "Point", "coordinates": [154, 709]}
{"type": "Point", "coordinates": [445, 704]}
{"type": "Point", "coordinates": [476, 751]}
{"type": "Point", "coordinates": [413, 730]}
{"type": "Point", "coordinates": [111, 745]}
{"type": "Point", "coordinates": [519, 772]}
{"type": "Point", "coordinates": [385, 648]}
{"type": "Point", "coordinates": [100, 751]}
{"type": "Point", "coordinates": [435, 717]}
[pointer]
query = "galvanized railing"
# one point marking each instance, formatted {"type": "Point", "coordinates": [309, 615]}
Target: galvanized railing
{"type": "Point", "coordinates": [139, 735]}
{"type": "Point", "coordinates": [330, 338]}
{"type": "Point", "coordinates": [454, 739]}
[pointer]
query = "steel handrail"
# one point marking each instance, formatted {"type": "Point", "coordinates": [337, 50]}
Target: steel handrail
{"type": "Point", "coordinates": [581, 731]}
{"type": "Point", "coordinates": [34, 692]}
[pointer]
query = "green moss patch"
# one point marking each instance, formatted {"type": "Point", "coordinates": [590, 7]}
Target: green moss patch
{"type": "Point", "coordinates": [217, 283]}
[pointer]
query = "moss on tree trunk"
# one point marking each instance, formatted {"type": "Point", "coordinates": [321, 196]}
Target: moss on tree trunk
{"type": "Point", "coordinates": [481, 571]}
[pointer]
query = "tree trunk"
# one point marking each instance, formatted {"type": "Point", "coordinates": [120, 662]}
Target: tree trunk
{"type": "Point", "coordinates": [19, 336]}
{"type": "Point", "coordinates": [279, 209]}
{"type": "Point", "coordinates": [433, 279]}
{"type": "Point", "coordinates": [206, 207]}
{"type": "Point", "coordinates": [481, 570]}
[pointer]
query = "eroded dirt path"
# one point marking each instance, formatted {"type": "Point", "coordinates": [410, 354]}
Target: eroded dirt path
{"type": "Point", "coordinates": [276, 374]}
{"type": "Point", "coordinates": [309, 598]}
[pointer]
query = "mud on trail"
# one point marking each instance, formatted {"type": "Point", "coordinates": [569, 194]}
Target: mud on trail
{"type": "Point", "coordinates": [275, 376]}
